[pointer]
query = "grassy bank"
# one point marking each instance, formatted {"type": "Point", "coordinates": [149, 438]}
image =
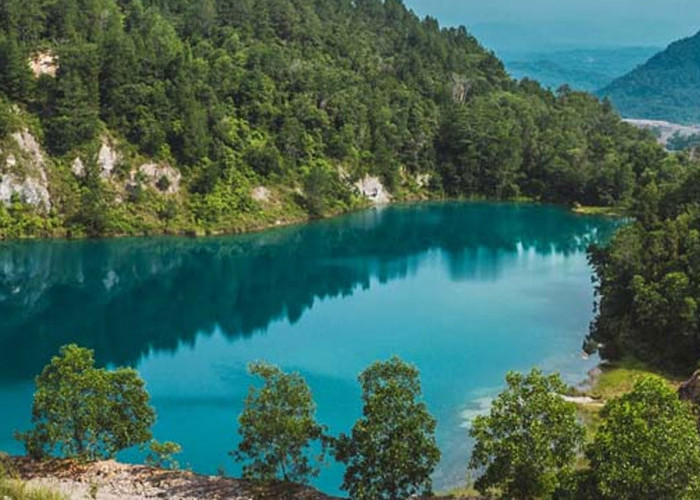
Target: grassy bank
{"type": "Point", "coordinates": [601, 211]}
{"type": "Point", "coordinates": [611, 380]}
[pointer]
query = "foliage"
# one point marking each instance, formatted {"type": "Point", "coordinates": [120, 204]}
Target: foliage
{"type": "Point", "coordinates": [86, 412]}
{"type": "Point", "coordinates": [647, 447]}
{"type": "Point", "coordinates": [162, 455]}
{"type": "Point", "coordinates": [391, 451]}
{"type": "Point", "coordinates": [241, 94]}
{"type": "Point", "coordinates": [278, 427]}
{"type": "Point", "coordinates": [666, 87]}
{"type": "Point", "coordinates": [648, 278]}
{"type": "Point", "coordinates": [529, 442]}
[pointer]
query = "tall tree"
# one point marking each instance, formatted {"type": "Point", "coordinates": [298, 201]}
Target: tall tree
{"type": "Point", "coordinates": [278, 427]}
{"type": "Point", "coordinates": [528, 443]}
{"type": "Point", "coordinates": [391, 451]}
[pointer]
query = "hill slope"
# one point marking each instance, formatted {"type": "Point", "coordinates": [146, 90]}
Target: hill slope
{"type": "Point", "coordinates": [150, 116]}
{"type": "Point", "coordinates": [581, 69]}
{"type": "Point", "coordinates": [667, 87]}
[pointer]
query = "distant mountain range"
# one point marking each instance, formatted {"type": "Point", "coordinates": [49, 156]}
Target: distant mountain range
{"type": "Point", "coordinates": [581, 69]}
{"type": "Point", "coordinates": [667, 87]}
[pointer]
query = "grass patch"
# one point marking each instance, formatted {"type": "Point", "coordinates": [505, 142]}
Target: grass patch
{"type": "Point", "coordinates": [600, 211]}
{"type": "Point", "coordinates": [616, 379]}
{"type": "Point", "coordinates": [13, 488]}
{"type": "Point", "coordinates": [16, 489]}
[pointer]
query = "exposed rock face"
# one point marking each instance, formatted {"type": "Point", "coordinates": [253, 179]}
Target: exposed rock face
{"type": "Point", "coordinates": [44, 63]}
{"type": "Point", "coordinates": [162, 176]}
{"type": "Point", "coordinates": [78, 167]}
{"type": "Point", "coordinates": [372, 188]}
{"type": "Point", "coordinates": [423, 180]}
{"type": "Point", "coordinates": [261, 194]}
{"type": "Point", "coordinates": [107, 158]}
{"type": "Point", "coordinates": [690, 389]}
{"type": "Point", "coordinates": [25, 177]}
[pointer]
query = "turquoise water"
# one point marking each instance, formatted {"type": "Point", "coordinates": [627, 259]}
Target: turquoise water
{"type": "Point", "coordinates": [466, 291]}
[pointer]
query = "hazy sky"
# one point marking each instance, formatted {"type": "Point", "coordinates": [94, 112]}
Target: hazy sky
{"type": "Point", "coordinates": [534, 24]}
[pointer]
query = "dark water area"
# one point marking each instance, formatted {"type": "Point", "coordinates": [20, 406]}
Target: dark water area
{"type": "Point", "coordinates": [466, 291]}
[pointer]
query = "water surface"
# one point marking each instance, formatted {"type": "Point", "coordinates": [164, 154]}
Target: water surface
{"type": "Point", "coordinates": [466, 291]}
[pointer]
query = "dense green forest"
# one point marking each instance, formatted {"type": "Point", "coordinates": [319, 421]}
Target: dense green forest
{"type": "Point", "coordinates": [649, 276]}
{"type": "Point", "coordinates": [222, 115]}
{"type": "Point", "coordinates": [667, 87]}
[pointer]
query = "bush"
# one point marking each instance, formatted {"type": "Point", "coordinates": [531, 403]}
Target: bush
{"type": "Point", "coordinates": [162, 455]}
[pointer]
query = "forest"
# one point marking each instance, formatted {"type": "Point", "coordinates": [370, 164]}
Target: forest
{"type": "Point", "coordinates": [169, 116]}
{"type": "Point", "coordinates": [664, 88]}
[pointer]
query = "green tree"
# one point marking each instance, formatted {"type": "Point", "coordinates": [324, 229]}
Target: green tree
{"type": "Point", "coordinates": [278, 428]}
{"type": "Point", "coordinates": [391, 451]}
{"type": "Point", "coordinates": [528, 443]}
{"type": "Point", "coordinates": [648, 446]}
{"type": "Point", "coordinates": [86, 412]}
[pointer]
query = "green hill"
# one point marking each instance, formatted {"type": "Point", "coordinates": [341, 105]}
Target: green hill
{"type": "Point", "coordinates": [667, 87]}
{"type": "Point", "coordinates": [172, 116]}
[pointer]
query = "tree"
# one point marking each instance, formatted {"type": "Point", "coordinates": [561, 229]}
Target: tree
{"type": "Point", "coordinates": [86, 412]}
{"type": "Point", "coordinates": [648, 446]}
{"type": "Point", "coordinates": [530, 439]}
{"type": "Point", "coordinates": [391, 451]}
{"type": "Point", "coordinates": [277, 427]}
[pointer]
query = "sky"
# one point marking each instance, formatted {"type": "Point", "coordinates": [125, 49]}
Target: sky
{"type": "Point", "coordinates": [511, 25]}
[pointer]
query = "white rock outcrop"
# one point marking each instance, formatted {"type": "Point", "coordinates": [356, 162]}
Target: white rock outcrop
{"type": "Point", "coordinates": [261, 194]}
{"type": "Point", "coordinates": [107, 158]}
{"type": "Point", "coordinates": [156, 172]}
{"type": "Point", "coordinates": [44, 63]}
{"type": "Point", "coordinates": [77, 167]}
{"type": "Point", "coordinates": [25, 177]}
{"type": "Point", "coordinates": [371, 187]}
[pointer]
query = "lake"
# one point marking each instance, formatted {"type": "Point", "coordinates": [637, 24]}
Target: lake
{"type": "Point", "coordinates": [465, 291]}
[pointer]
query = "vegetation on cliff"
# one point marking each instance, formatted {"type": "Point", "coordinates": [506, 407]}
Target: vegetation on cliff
{"type": "Point", "coordinates": [172, 116]}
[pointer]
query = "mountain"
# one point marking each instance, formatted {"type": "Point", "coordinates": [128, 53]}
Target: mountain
{"type": "Point", "coordinates": [581, 69]}
{"type": "Point", "coordinates": [667, 87]}
{"type": "Point", "coordinates": [172, 116]}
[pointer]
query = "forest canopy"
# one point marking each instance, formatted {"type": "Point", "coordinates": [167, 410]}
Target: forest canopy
{"type": "Point", "coordinates": [205, 101]}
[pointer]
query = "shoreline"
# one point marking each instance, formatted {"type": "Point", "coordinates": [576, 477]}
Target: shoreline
{"type": "Point", "coordinates": [261, 227]}
{"type": "Point", "coordinates": [112, 480]}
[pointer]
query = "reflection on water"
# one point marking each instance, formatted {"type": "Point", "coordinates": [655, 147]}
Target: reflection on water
{"type": "Point", "coordinates": [173, 307]}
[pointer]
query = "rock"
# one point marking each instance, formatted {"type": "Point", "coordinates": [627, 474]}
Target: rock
{"type": "Point", "coordinates": [44, 63]}
{"type": "Point", "coordinates": [372, 188]}
{"type": "Point", "coordinates": [29, 190]}
{"type": "Point", "coordinates": [78, 167]}
{"type": "Point", "coordinates": [261, 194]}
{"type": "Point", "coordinates": [162, 176]}
{"type": "Point", "coordinates": [690, 389]}
{"type": "Point", "coordinates": [107, 158]}
{"type": "Point", "coordinates": [423, 180]}
{"type": "Point", "coordinates": [30, 184]}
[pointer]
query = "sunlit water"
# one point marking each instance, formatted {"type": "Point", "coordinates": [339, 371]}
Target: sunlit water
{"type": "Point", "coordinates": [466, 291]}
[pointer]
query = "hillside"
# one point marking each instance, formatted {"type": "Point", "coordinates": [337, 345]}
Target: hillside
{"type": "Point", "coordinates": [168, 116]}
{"type": "Point", "coordinates": [581, 69]}
{"type": "Point", "coordinates": [667, 87]}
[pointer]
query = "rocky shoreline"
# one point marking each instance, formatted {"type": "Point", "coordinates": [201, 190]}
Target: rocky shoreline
{"type": "Point", "coordinates": [110, 480]}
